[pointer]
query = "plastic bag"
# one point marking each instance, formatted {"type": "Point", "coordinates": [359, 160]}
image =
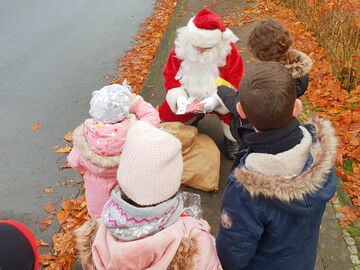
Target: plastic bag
{"type": "Point", "coordinates": [192, 204]}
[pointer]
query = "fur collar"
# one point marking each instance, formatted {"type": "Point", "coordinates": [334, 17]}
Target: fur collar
{"type": "Point", "coordinates": [298, 63]}
{"type": "Point", "coordinates": [285, 189]}
{"type": "Point", "coordinates": [79, 140]}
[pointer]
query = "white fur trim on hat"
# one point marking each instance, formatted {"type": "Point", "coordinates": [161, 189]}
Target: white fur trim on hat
{"type": "Point", "coordinates": [229, 36]}
{"type": "Point", "coordinates": [172, 96]}
{"type": "Point", "coordinates": [203, 38]}
{"type": "Point", "coordinates": [151, 165]}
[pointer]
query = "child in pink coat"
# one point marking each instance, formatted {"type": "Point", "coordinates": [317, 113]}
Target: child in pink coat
{"type": "Point", "coordinates": [143, 225]}
{"type": "Point", "coordinates": [98, 143]}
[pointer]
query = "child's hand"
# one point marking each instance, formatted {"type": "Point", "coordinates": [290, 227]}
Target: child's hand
{"type": "Point", "coordinates": [133, 96]}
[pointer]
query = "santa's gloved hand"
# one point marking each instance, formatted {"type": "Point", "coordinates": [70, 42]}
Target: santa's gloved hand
{"type": "Point", "coordinates": [181, 103]}
{"type": "Point", "coordinates": [210, 104]}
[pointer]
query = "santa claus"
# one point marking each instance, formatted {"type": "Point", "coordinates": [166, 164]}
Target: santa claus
{"type": "Point", "coordinates": [204, 50]}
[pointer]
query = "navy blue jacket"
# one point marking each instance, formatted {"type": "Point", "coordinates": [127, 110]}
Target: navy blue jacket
{"type": "Point", "coordinates": [271, 221]}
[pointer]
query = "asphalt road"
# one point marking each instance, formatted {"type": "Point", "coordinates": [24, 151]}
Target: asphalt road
{"type": "Point", "coordinates": [53, 54]}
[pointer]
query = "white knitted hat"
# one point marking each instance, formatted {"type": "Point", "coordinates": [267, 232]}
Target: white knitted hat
{"type": "Point", "coordinates": [151, 165]}
{"type": "Point", "coordinates": [111, 103]}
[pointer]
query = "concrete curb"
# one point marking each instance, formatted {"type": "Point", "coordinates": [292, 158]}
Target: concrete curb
{"type": "Point", "coordinates": [162, 53]}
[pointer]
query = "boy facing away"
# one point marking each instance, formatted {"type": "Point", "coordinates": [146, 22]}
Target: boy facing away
{"type": "Point", "coordinates": [275, 198]}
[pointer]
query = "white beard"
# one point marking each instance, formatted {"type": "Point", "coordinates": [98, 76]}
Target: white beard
{"type": "Point", "coordinates": [198, 72]}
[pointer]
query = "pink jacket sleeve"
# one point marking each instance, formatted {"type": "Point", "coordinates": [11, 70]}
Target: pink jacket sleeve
{"type": "Point", "coordinates": [74, 159]}
{"type": "Point", "coordinates": [145, 111]}
{"type": "Point", "coordinates": [171, 68]}
{"type": "Point", "coordinates": [233, 71]}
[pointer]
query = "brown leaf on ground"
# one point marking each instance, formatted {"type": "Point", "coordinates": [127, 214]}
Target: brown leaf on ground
{"type": "Point", "coordinates": [65, 166]}
{"type": "Point", "coordinates": [41, 243]}
{"type": "Point", "coordinates": [45, 259]}
{"type": "Point", "coordinates": [106, 77]}
{"type": "Point", "coordinates": [79, 181]}
{"type": "Point", "coordinates": [343, 209]}
{"type": "Point", "coordinates": [68, 137]}
{"type": "Point", "coordinates": [36, 126]}
{"type": "Point", "coordinates": [65, 149]}
{"type": "Point", "coordinates": [62, 216]}
{"type": "Point", "coordinates": [55, 147]}
{"type": "Point", "coordinates": [46, 223]}
{"type": "Point", "coordinates": [50, 208]}
{"type": "Point", "coordinates": [48, 190]}
{"type": "Point", "coordinates": [351, 216]}
{"type": "Point", "coordinates": [333, 199]}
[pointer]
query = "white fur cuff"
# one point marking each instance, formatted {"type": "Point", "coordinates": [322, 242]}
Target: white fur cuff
{"type": "Point", "coordinates": [172, 95]}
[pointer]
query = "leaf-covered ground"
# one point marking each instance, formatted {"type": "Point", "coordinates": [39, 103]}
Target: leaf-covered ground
{"type": "Point", "coordinates": [323, 96]}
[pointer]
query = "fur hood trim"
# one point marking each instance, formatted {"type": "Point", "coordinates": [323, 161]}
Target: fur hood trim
{"type": "Point", "coordinates": [85, 236]}
{"type": "Point", "coordinates": [298, 63]}
{"type": "Point", "coordinates": [79, 140]}
{"type": "Point", "coordinates": [184, 256]}
{"type": "Point", "coordinates": [285, 189]}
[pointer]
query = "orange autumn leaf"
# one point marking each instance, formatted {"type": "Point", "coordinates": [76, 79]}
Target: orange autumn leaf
{"type": "Point", "coordinates": [36, 126]}
{"type": "Point", "coordinates": [343, 209]}
{"type": "Point", "coordinates": [62, 216]}
{"type": "Point", "coordinates": [333, 199]}
{"type": "Point", "coordinates": [48, 190]}
{"type": "Point", "coordinates": [345, 223]}
{"type": "Point", "coordinates": [41, 243]}
{"type": "Point", "coordinates": [68, 137]}
{"type": "Point", "coordinates": [45, 259]}
{"type": "Point", "coordinates": [46, 223]}
{"type": "Point", "coordinates": [66, 149]}
{"type": "Point", "coordinates": [55, 147]}
{"type": "Point", "coordinates": [50, 208]}
{"type": "Point", "coordinates": [62, 241]}
{"type": "Point", "coordinates": [66, 205]}
{"type": "Point", "coordinates": [351, 216]}
{"type": "Point", "coordinates": [65, 166]}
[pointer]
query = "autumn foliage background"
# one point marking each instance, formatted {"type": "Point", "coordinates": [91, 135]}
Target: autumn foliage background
{"type": "Point", "coordinates": [326, 30]}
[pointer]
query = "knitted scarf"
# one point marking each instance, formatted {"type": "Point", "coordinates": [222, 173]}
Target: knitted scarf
{"type": "Point", "coordinates": [128, 222]}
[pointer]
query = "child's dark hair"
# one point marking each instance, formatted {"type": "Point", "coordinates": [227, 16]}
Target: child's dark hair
{"type": "Point", "coordinates": [269, 40]}
{"type": "Point", "coordinates": [267, 95]}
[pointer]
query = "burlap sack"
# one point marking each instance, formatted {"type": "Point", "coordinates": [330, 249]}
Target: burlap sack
{"type": "Point", "coordinates": [200, 154]}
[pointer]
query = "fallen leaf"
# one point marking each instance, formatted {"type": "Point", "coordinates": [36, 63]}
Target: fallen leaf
{"type": "Point", "coordinates": [343, 209]}
{"type": "Point", "coordinates": [41, 243]}
{"type": "Point", "coordinates": [106, 77]}
{"type": "Point", "coordinates": [48, 190]}
{"type": "Point", "coordinates": [68, 137]}
{"type": "Point", "coordinates": [65, 166]}
{"type": "Point", "coordinates": [79, 181]}
{"type": "Point", "coordinates": [333, 199]}
{"type": "Point", "coordinates": [55, 147]}
{"type": "Point", "coordinates": [50, 208]}
{"type": "Point", "coordinates": [66, 149]}
{"type": "Point", "coordinates": [62, 216]}
{"type": "Point", "coordinates": [46, 222]}
{"type": "Point", "coordinates": [36, 126]}
{"type": "Point", "coordinates": [351, 216]}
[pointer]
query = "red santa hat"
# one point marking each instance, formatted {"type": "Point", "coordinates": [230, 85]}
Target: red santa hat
{"type": "Point", "coordinates": [206, 29]}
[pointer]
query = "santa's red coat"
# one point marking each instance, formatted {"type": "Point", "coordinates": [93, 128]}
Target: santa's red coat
{"type": "Point", "coordinates": [231, 72]}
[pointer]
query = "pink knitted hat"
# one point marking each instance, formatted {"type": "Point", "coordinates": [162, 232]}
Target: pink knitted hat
{"type": "Point", "coordinates": [151, 165]}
